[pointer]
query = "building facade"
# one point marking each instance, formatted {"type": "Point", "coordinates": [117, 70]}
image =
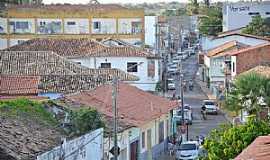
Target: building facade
{"type": "Point", "coordinates": [96, 21]}
{"type": "Point", "coordinates": [242, 13]}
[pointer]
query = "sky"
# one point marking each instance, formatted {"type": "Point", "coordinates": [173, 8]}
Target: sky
{"type": "Point", "coordinates": [114, 1]}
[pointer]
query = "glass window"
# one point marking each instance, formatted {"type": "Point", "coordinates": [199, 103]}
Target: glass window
{"type": "Point", "coordinates": [97, 25]}
{"type": "Point", "coordinates": [185, 147]}
{"type": "Point", "coordinates": [105, 65]}
{"type": "Point", "coordinates": [71, 23]}
{"type": "Point", "coordinates": [132, 67]}
{"type": "Point", "coordinates": [21, 25]}
{"type": "Point", "coordinates": [253, 13]}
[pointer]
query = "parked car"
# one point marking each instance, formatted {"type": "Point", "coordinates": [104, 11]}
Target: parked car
{"type": "Point", "coordinates": [187, 115]}
{"type": "Point", "coordinates": [171, 84]}
{"type": "Point", "coordinates": [187, 151]}
{"type": "Point", "coordinates": [210, 106]}
{"type": "Point", "coordinates": [172, 69]}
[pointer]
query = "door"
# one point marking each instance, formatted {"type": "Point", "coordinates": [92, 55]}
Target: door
{"type": "Point", "coordinates": [134, 150]}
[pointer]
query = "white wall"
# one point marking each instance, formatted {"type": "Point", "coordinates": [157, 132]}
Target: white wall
{"type": "Point", "coordinates": [206, 61]}
{"type": "Point", "coordinates": [3, 43]}
{"type": "Point", "coordinates": [125, 25]}
{"type": "Point", "coordinates": [80, 26]}
{"type": "Point", "coordinates": [92, 148]}
{"type": "Point", "coordinates": [150, 30]}
{"type": "Point", "coordinates": [208, 43]}
{"type": "Point", "coordinates": [3, 25]}
{"type": "Point", "coordinates": [16, 27]}
{"type": "Point", "coordinates": [145, 82]}
{"type": "Point", "coordinates": [108, 26]}
{"type": "Point", "coordinates": [239, 12]}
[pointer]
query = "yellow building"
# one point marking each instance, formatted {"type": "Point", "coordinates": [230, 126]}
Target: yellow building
{"type": "Point", "coordinates": [96, 21]}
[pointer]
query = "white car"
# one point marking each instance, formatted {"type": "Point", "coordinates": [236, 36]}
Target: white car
{"type": "Point", "coordinates": [171, 84]}
{"type": "Point", "coordinates": [210, 106]}
{"type": "Point", "coordinates": [187, 151]}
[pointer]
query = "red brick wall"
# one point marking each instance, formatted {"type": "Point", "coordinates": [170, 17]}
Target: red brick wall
{"type": "Point", "coordinates": [251, 58]}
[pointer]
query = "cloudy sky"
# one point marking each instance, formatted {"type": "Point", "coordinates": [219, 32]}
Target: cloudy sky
{"type": "Point", "coordinates": [115, 1]}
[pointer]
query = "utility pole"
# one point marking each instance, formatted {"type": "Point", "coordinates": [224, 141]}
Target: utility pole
{"type": "Point", "coordinates": [114, 96]}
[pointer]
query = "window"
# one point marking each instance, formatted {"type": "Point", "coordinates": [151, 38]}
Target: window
{"type": "Point", "coordinates": [71, 23]}
{"type": "Point", "coordinates": [143, 139]}
{"type": "Point", "coordinates": [132, 67]}
{"type": "Point", "coordinates": [253, 13]}
{"type": "Point", "coordinates": [151, 68]}
{"type": "Point", "coordinates": [20, 41]}
{"type": "Point", "coordinates": [21, 25]}
{"type": "Point", "coordinates": [267, 13]}
{"type": "Point", "coordinates": [41, 23]}
{"type": "Point", "coordinates": [149, 135]}
{"type": "Point", "coordinates": [97, 25]}
{"type": "Point", "coordinates": [161, 132]}
{"type": "Point", "coordinates": [233, 67]}
{"type": "Point", "coordinates": [105, 65]}
{"type": "Point", "coordinates": [136, 27]}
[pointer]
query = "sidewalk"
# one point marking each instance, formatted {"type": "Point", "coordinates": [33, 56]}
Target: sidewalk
{"type": "Point", "coordinates": [208, 93]}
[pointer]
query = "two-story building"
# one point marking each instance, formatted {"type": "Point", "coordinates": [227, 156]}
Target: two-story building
{"type": "Point", "coordinates": [147, 119]}
{"type": "Point", "coordinates": [96, 21]}
{"type": "Point", "coordinates": [93, 54]}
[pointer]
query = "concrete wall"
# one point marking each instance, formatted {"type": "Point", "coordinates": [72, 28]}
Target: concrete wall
{"type": "Point", "coordinates": [150, 30]}
{"type": "Point", "coordinates": [125, 25]}
{"type": "Point", "coordinates": [76, 26]}
{"type": "Point", "coordinates": [240, 13]}
{"type": "Point", "coordinates": [92, 148]}
{"type": "Point", "coordinates": [208, 43]}
{"type": "Point", "coordinates": [3, 25]}
{"type": "Point", "coordinates": [107, 26]}
{"type": "Point", "coordinates": [145, 82]}
{"type": "Point", "coordinates": [17, 28]}
{"type": "Point", "coordinates": [216, 69]}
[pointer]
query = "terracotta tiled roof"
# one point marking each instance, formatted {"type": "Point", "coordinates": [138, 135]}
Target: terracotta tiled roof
{"type": "Point", "coordinates": [72, 48]}
{"type": "Point", "coordinates": [242, 34]}
{"type": "Point", "coordinates": [69, 7]}
{"type": "Point", "coordinates": [135, 106]}
{"type": "Point", "coordinates": [19, 85]}
{"type": "Point", "coordinates": [259, 149]}
{"type": "Point", "coordinates": [250, 49]}
{"type": "Point", "coordinates": [226, 48]}
{"type": "Point", "coordinates": [57, 73]}
{"type": "Point", "coordinates": [261, 70]}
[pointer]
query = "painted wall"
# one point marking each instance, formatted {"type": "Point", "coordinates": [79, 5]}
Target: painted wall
{"type": "Point", "coordinates": [129, 25]}
{"type": "Point", "coordinates": [22, 25]}
{"type": "Point", "coordinates": [76, 26]}
{"type": "Point", "coordinates": [49, 26]}
{"type": "Point", "coordinates": [92, 148]}
{"type": "Point", "coordinates": [107, 26]}
{"type": "Point", "coordinates": [3, 43]}
{"type": "Point", "coordinates": [124, 139]}
{"type": "Point", "coordinates": [146, 82]}
{"type": "Point", "coordinates": [216, 69]}
{"type": "Point", "coordinates": [242, 13]}
{"type": "Point", "coordinates": [208, 43]}
{"type": "Point", "coordinates": [3, 25]}
{"type": "Point", "coordinates": [150, 30]}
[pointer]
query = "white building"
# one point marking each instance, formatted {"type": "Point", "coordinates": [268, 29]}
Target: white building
{"type": "Point", "coordinates": [238, 15]}
{"type": "Point", "coordinates": [109, 54]}
{"type": "Point", "coordinates": [150, 30]}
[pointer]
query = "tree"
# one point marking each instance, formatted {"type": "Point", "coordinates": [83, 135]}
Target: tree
{"type": "Point", "coordinates": [211, 23]}
{"type": "Point", "coordinates": [258, 26]}
{"type": "Point", "coordinates": [228, 141]}
{"type": "Point", "coordinates": [85, 120]}
{"type": "Point", "coordinates": [193, 7]}
{"type": "Point", "coordinates": [248, 92]}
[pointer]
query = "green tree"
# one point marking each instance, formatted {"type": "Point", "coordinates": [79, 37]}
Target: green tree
{"type": "Point", "coordinates": [228, 141]}
{"type": "Point", "coordinates": [211, 23]}
{"type": "Point", "coordinates": [193, 7]}
{"type": "Point", "coordinates": [85, 120]}
{"type": "Point", "coordinates": [258, 26]}
{"type": "Point", "coordinates": [247, 93]}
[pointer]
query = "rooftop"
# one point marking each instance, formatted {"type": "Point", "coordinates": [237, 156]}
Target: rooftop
{"type": "Point", "coordinates": [19, 85]}
{"type": "Point", "coordinates": [135, 106]}
{"type": "Point", "coordinates": [259, 149]}
{"type": "Point", "coordinates": [83, 47]}
{"type": "Point", "coordinates": [261, 70]}
{"type": "Point", "coordinates": [226, 48]}
{"type": "Point", "coordinates": [252, 48]}
{"type": "Point", "coordinates": [57, 73]}
{"type": "Point", "coordinates": [241, 34]}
